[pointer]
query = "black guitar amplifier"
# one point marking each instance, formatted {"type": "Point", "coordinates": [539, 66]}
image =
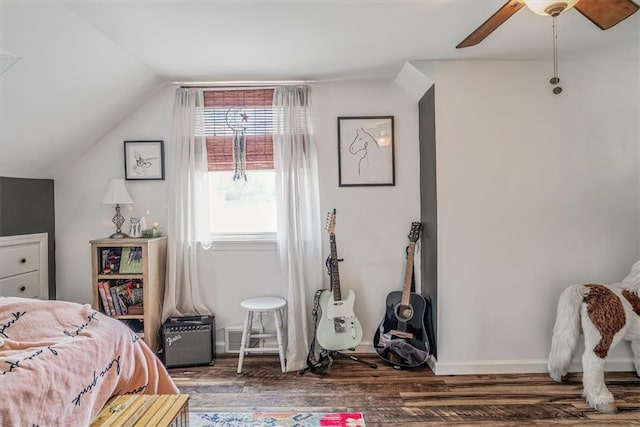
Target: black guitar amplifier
{"type": "Point", "coordinates": [189, 341]}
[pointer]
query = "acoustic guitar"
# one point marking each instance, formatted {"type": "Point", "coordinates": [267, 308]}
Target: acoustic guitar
{"type": "Point", "coordinates": [338, 328]}
{"type": "Point", "coordinates": [401, 339]}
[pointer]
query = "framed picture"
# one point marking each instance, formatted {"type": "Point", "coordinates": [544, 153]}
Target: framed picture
{"type": "Point", "coordinates": [366, 151]}
{"type": "Point", "coordinates": [143, 160]}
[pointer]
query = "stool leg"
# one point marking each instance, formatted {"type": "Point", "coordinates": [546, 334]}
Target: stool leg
{"type": "Point", "coordinates": [245, 337]}
{"type": "Point", "coordinates": [279, 334]}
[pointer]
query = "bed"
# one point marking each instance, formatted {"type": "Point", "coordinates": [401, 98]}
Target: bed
{"type": "Point", "coordinates": [60, 362]}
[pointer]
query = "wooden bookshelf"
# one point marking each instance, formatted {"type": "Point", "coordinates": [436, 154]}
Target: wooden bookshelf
{"type": "Point", "coordinates": [152, 276]}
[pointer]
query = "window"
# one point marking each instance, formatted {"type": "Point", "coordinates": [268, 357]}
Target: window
{"type": "Point", "coordinates": [242, 185]}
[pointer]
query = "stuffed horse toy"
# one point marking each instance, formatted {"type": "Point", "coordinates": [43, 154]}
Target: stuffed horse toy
{"type": "Point", "coordinates": [606, 315]}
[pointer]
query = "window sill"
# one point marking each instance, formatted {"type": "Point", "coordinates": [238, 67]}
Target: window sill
{"type": "Point", "coordinates": [244, 242]}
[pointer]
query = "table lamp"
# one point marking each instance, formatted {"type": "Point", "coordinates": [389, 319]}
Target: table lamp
{"type": "Point", "coordinates": [117, 194]}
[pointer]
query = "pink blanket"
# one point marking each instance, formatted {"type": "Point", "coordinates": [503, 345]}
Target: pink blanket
{"type": "Point", "coordinates": [60, 362]}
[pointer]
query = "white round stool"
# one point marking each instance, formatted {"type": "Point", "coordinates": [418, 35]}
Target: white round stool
{"type": "Point", "coordinates": [262, 305]}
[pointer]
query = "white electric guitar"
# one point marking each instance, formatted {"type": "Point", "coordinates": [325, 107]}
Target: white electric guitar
{"type": "Point", "coordinates": [338, 328]}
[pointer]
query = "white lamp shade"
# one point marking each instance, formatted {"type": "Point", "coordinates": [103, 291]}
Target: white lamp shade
{"type": "Point", "coordinates": [117, 193]}
{"type": "Point", "coordinates": [541, 6]}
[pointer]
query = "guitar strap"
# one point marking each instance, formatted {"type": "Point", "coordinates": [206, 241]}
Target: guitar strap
{"type": "Point", "coordinates": [317, 362]}
{"type": "Point", "coordinates": [413, 280]}
{"type": "Point", "coordinates": [328, 263]}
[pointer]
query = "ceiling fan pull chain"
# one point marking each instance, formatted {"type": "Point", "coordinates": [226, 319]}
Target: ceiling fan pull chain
{"type": "Point", "coordinates": [555, 79]}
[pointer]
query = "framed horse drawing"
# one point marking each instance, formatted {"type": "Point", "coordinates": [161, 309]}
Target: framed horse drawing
{"type": "Point", "coordinates": [366, 151]}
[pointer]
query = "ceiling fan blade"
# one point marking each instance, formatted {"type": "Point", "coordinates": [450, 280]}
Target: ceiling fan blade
{"type": "Point", "coordinates": [606, 14]}
{"type": "Point", "coordinates": [497, 19]}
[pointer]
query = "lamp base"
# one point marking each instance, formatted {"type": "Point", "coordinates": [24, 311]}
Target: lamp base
{"type": "Point", "coordinates": [118, 220]}
{"type": "Point", "coordinates": [118, 235]}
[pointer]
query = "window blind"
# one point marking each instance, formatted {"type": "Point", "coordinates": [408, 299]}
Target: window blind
{"type": "Point", "coordinates": [239, 110]}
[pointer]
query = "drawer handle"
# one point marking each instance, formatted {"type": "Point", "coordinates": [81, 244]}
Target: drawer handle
{"type": "Point", "coordinates": [23, 260]}
{"type": "Point", "coordinates": [23, 288]}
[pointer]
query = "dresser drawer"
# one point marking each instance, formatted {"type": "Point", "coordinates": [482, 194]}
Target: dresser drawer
{"type": "Point", "coordinates": [23, 285]}
{"type": "Point", "coordinates": [18, 259]}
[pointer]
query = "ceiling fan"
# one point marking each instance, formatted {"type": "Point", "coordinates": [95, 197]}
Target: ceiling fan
{"type": "Point", "coordinates": [603, 13]}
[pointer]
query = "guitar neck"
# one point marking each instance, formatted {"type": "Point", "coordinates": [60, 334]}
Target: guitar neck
{"type": "Point", "coordinates": [335, 273]}
{"type": "Point", "coordinates": [406, 290]}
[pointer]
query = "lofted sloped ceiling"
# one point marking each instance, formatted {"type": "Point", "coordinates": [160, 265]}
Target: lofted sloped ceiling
{"type": "Point", "coordinates": [85, 65]}
{"type": "Point", "coordinates": [71, 84]}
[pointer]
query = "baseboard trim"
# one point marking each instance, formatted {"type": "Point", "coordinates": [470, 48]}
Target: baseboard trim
{"type": "Point", "coordinates": [517, 366]}
{"type": "Point", "coordinates": [525, 366]}
{"type": "Point", "coordinates": [363, 348]}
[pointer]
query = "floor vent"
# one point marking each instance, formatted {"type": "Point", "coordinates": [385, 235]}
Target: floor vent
{"type": "Point", "coordinates": [233, 337]}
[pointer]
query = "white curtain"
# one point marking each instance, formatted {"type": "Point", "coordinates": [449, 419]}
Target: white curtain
{"type": "Point", "coordinates": [299, 228]}
{"type": "Point", "coordinates": [188, 207]}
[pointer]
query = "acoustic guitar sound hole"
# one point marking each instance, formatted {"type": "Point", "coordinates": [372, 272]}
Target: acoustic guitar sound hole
{"type": "Point", "coordinates": [404, 312]}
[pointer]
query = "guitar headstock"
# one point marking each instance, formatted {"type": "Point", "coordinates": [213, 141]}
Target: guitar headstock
{"type": "Point", "coordinates": [330, 225]}
{"type": "Point", "coordinates": [414, 233]}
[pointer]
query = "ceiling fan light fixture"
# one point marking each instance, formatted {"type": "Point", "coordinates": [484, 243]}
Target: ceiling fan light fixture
{"type": "Point", "coordinates": [549, 7]}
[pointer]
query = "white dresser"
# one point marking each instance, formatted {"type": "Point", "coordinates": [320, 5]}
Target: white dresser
{"type": "Point", "coordinates": [24, 266]}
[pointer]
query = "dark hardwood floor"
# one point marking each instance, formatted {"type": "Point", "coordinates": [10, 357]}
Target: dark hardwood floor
{"type": "Point", "coordinates": [412, 397]}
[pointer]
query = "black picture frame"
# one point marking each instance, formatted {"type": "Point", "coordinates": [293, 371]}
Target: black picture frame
{"type": "Point", "coordinates": [143, 160]}
{"type": "Point", "coordinates": [366, 151]}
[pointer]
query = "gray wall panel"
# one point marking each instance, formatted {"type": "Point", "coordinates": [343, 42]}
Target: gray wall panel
{"type": "Point", "coordinates": [26, 207]}
{"type": "Point", "coordinates": [429, 207]}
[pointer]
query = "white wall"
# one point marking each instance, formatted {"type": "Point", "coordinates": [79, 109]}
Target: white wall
{"type": "Point", "coordinates": [372, 223]}
{"type": "Point", "coordinates": [536, 191]}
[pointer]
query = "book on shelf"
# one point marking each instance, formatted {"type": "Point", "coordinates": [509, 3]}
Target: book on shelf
{"type": "Point", "coordinates": [110, 260]}
{"type": "Point", "coordinates": [103, 298]}
{"type": "Point", "coordinates": [131, 261]}
{"type": "Point", "coordinates": [121, 297]}
{"type": "Point", "coordinates": [121, 308]}
{"type": "Point", "coordinates": [136, 309]}
{"type": "Point", "coordinates": [130, 292]}
{"type": "Point", "coordinates": [107, 290]}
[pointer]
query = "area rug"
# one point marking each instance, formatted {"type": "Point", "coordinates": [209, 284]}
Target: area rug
{"type": "Point", "coordinates": [275, 419]}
